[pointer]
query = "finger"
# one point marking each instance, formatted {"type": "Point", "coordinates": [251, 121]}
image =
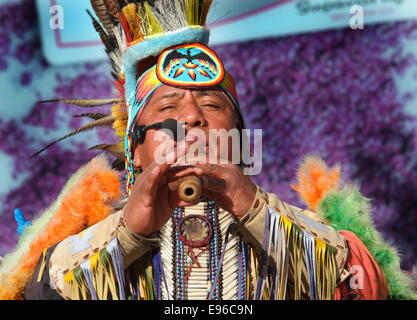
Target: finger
{"type": "Point", "coordinates": [213, 184]}
{"type": "Point", "coordinates": [150, 185]}
{"type": "Point", "coordinates": [180, 172]}
{"type": "Point", "coordinates": [213, 171]}
{"type": "Point", "coordinates": [162, 216]}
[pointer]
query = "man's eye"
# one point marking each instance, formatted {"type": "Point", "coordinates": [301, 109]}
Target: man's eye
{"type": "Point", "coordinates": [212, 106]}
{"type": "Point", "coordinates": [166, 108]}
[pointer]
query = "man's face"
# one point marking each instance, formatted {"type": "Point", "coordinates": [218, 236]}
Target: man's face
{"type": "Point", "coordinates": [203, 109]}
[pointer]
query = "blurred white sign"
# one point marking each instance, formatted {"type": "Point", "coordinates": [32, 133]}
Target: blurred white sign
{"type": "Point", "coordinates": [68, 35]}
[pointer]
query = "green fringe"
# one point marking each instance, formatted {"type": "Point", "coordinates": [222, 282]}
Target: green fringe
{"type": "Point", "coordinates": [348, 209]}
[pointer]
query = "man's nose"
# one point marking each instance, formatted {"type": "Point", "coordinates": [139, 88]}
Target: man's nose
{"type": "Point", "coordinates": [191, 113]}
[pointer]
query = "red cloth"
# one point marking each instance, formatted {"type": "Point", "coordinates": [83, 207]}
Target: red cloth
{"type": "Point", "coordinates": [366, 280]}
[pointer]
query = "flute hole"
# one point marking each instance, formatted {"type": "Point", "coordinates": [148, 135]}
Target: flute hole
{"type": "Point", "coordinates": [189, 192]}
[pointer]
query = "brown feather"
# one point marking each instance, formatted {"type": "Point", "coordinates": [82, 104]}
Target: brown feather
{"type": "Point", "coordinates": [104, 122]}
{"type": "Point", "coordinates": [113, 8]}
{"type": "Point", "coordinates": [103, 35]}
{"type": "Point", "coordinates": [85, 102]}
{"type": "Point", "coordinates": [102, 14]}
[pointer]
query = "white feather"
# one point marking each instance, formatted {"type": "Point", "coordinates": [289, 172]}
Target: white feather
{"type": "Point", "coordinates": [116, 56]}
{"type": "Point", "coordinates": [170, 15]}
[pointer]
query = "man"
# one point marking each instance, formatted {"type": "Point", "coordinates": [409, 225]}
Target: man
{"type": "Point", "coordinates": [151, 205]}
{"type": "Point", "coordinates": [238, 242]}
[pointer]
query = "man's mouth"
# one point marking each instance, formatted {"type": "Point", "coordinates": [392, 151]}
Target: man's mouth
{"type": "Point", "coordinates": [192, 146]}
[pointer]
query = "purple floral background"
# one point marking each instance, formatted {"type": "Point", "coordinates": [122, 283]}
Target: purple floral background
{"type": "Point", "coordinates": [338, 94]}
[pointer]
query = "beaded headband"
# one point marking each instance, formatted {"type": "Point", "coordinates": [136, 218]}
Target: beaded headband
{"type": "Point", "coordinates": [188, 66]}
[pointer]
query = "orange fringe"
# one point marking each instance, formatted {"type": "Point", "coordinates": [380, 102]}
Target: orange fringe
{"type": "Point", "coordinates": [315, 180]}
{"type": "Point", "coordinates": [86, 204]}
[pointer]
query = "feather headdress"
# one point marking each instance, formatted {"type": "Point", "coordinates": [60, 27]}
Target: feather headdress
{"type": "Point", "coordinates": [134, 33]}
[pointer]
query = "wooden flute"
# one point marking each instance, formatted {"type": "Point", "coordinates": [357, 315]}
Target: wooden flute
{"type": "Point", "coordinates": [189, 188]}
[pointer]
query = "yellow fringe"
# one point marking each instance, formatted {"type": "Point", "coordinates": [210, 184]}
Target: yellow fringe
{"type": "Point", "coordinates": [144, 24]}
{"type": "Point", "coordinates": [75, 292]}
{"type": "Point", "coordinates": [104, 281]}
{"type": "Point", "coordinates": [69, 277]}
{"type": "Point", "coordinates": [149, 286]}
{"type": "Point", "coordinates": [99, 281]}
{"type": "Point", "coordinates": [43, 265]}
{"type": "Point", "coordinates": [297, 237]}
{"type": "Point", "coordinates": [143, 269]}
{"type": "Point", "coordinates": [150, 24]}
{"type": "Point", "coordinates": [193, 14]}
{"type": "Point", "coordinates": [326, 270]}
{"type": "Point", "coordinates": [157, 35]}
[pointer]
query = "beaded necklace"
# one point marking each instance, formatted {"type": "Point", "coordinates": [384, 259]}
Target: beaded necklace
{"type": "Point", "coordinates": [178, 257]}
{"type": "Point", "coordinates": [193, 261]}
{"type": "Point", "coordinates": [186, 253]}
{"type": "Point", "coordinates": [215, 243]}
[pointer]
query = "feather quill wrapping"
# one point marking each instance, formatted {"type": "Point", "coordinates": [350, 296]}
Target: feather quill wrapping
{"type": "Point", "coordinates": [85, 200]}
{"type": "Point", "coordinates": [85, 102]}
{"type": "Point", "coordinates": [94, 116]}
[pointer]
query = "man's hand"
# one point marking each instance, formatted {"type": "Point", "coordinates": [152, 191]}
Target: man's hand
{"type": "Point", "coordinates": [151, 203]}
{"type": "Point", "coordinates": [226, 185]}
